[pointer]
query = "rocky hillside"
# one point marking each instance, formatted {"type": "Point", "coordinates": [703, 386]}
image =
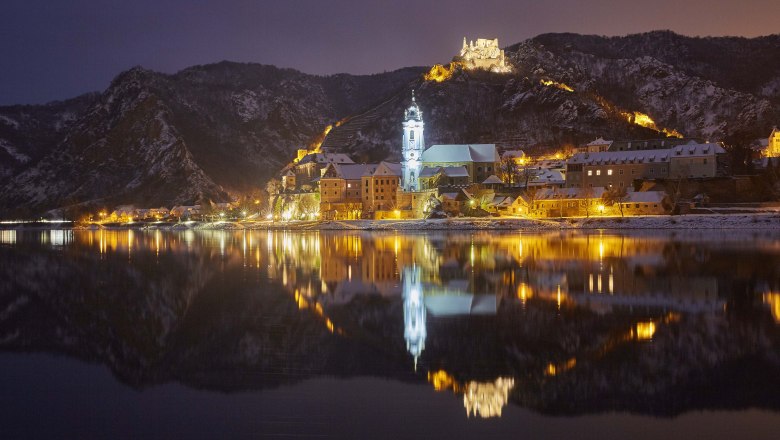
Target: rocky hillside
{"type": "Point", "coordinates": [211, 131]}
{"type": "Point", "coordinates": [153, 139]}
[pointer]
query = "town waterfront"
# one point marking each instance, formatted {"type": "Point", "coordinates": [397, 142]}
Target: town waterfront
{"type": "Point", "coordinates": [389, 334]}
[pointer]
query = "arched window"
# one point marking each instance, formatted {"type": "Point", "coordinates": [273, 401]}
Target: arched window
{"type": "Point", "coordinates": [411, 135]}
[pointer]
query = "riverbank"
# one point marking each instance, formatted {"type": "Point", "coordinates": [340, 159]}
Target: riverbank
{"type": "Point", "coordinates": [761, 221]}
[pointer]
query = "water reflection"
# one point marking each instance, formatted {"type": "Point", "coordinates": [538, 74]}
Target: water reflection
{"type": "Point", "coordinates": [542, 320]}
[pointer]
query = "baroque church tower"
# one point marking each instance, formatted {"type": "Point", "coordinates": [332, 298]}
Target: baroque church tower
{"type": "Point", "coordinates": [413, 146]}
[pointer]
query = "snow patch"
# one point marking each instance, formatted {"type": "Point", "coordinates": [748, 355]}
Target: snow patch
{"type": "Point", "coordinates": [11, 150]}
{"type": "Point", "coordinates": [8, 121]}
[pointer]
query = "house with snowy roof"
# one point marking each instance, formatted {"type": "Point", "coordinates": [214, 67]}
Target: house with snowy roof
{"type": "Point", "coordinates": [620, 168]}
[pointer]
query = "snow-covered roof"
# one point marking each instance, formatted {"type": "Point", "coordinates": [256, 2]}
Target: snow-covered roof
{"type": "Point", "coordinates": [645, 197]}
{"type": "Point", "coordinates": [326, 158]}
{"type": "Point", "coordinates": [646, 156]}
{"type": "Point", "coordinates": [348, 171]}
{"type": "Point", "coordinates": [461, 153]}
{"type": "Point", "coordinates": [599, 141]}
{"type": "Point", "coordinates": [569, 193]}
{"type": "Point", "coordinates": [429, 172]}
{"type": "Point", "coordinates": [493, 179]}
{"type": "Point", "coordinates": [460, 171]}
{"type": "Point", "coordinates": [502, 201]}
{"type": "Point", "coordinates": [388, 169]}
{"type": "Point", "coordinates": [546, 177]}
{"type": "Point", "coordinates": [514, 154]}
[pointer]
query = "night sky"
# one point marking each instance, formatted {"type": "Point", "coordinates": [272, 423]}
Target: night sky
{"type": "Point", "coordinates": [56, 49]}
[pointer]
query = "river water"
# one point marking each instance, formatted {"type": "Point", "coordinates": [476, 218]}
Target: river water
{"type": "Point", "coordinates": [223, 334]}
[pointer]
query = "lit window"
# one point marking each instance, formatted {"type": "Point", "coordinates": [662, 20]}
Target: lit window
{"type": "Point", "coordinates": [598, 172]}
{"type": "Point", "coordinates": [590, 172]}
{"type": "Point", "coordinates": [609, 172]}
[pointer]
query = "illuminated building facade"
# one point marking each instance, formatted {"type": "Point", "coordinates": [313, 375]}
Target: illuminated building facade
{"type": "Point", "coordinates": [620, 168]}
{"type": "Point", "coordinates": [773, 144]}
{"type": "Point", "coordinates": [483, 54]}
{"type": "Point", "coordinates": [413, 146]}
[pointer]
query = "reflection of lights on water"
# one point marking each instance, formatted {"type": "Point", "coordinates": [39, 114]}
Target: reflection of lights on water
{"type": "Point", "coordinates": [8, 237]}
{"type": "Point", "coordinates": [611, 284]}
{"type": "Point", "coordinates": [645, 330]}
{"type": "Point", "coordinates": [590, 282]}
{"type": "Point", "coordinates": [772, 299]}
{"type": "Point", "coordinates": [556, 369]}
{"type": "Point", "coordinates": [415, 330]}
{"type": "Point", "coordinates": [483, 399]}
{"type": "Point", "coordinates": [487, 399]}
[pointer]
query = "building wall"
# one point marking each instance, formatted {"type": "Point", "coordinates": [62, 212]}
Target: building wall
{"type": "Point", "coordinates": [692, 167]}
{"type": "Point", "coordinates": [654, 208]}
{"type": "Point", "coordinates": [773, 148]}
{"type": "Point", "coordinates": [566, 207]}
{"type": "Point", "coordinates": [478, 171]}
{"type": "Point", "coordinates": [379, 192]}
{"type": "Point", "coordinates": [618, 175]}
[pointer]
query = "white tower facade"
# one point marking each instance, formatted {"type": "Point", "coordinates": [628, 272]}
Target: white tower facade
{"type": "Point", "coordinates": [413, 146]}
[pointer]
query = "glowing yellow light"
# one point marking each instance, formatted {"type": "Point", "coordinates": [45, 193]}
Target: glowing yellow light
{"type": "Point", "coordinates": [644, 120]}
{"type": "Point", "coordinates": [645, 330]}
{"type": "Point", "coordinates": [440, 73]}
{"type": "Point", "coordinates": [561, 86]}
{"type": "Point", "coordinates": [772, 299]}
{"type": "Point", "coordinates": [487, 399]}
{"type": "Point", "coordinates": [442, 381]}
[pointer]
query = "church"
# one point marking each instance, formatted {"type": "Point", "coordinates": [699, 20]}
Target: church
{"type": "Point", "coordinates": [394, 191]}
{"type": "Point", "coordinates": [469, 163]}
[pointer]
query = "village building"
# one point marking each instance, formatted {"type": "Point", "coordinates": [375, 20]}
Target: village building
{"type": "Point", "coordinates": [650, 144]}
{"type": "Point", "coordinates": [309, 169]}
{"type": "Point", "coordinates": [598, 145]}
{"type": "Point", "coordinates": [520, 206]}
{"type": "Point", "coordinates": [547, 178]}
{"type": "Point", "coordinates": [438, 177]}
{"type": "Point", "coordinates": [516, 156]}
{"type": "Point", "coordinates": [341, 190]}
{"type": "Point", "coordinates": [644, 203]}
{"type": "Point", "coordinates": [773, 143]}
{"type": "Point", "coordinates": [492, 182]}
{"type": "Point", "coordinates": [621, 168]}
{"type": "Point", "coordinates": [184, 211]}
{"type": "Point", "coordinates": [380, 187]}
{"type": "Point", "coordinates": [288, 181]}
{"type": "Point", "coordinates": [452, 202]}
{"type": "Point", "coordinates": [567, 202]}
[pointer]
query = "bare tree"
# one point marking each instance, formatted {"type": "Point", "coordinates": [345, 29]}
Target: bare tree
{"type": "Point", "coordinates": [615, 196]}
{"type": "Point", "coordinates": [527, 174]}
{"type": "Point", "coordinates": [587, 195]}
{"type": "Point", "coordinates": [509, 170]}
{"type": "Point", "coordinates": [273, 188]}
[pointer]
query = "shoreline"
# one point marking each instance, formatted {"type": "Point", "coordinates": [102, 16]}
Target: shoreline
{"type": "Point", "coordinates": [757, 221]}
